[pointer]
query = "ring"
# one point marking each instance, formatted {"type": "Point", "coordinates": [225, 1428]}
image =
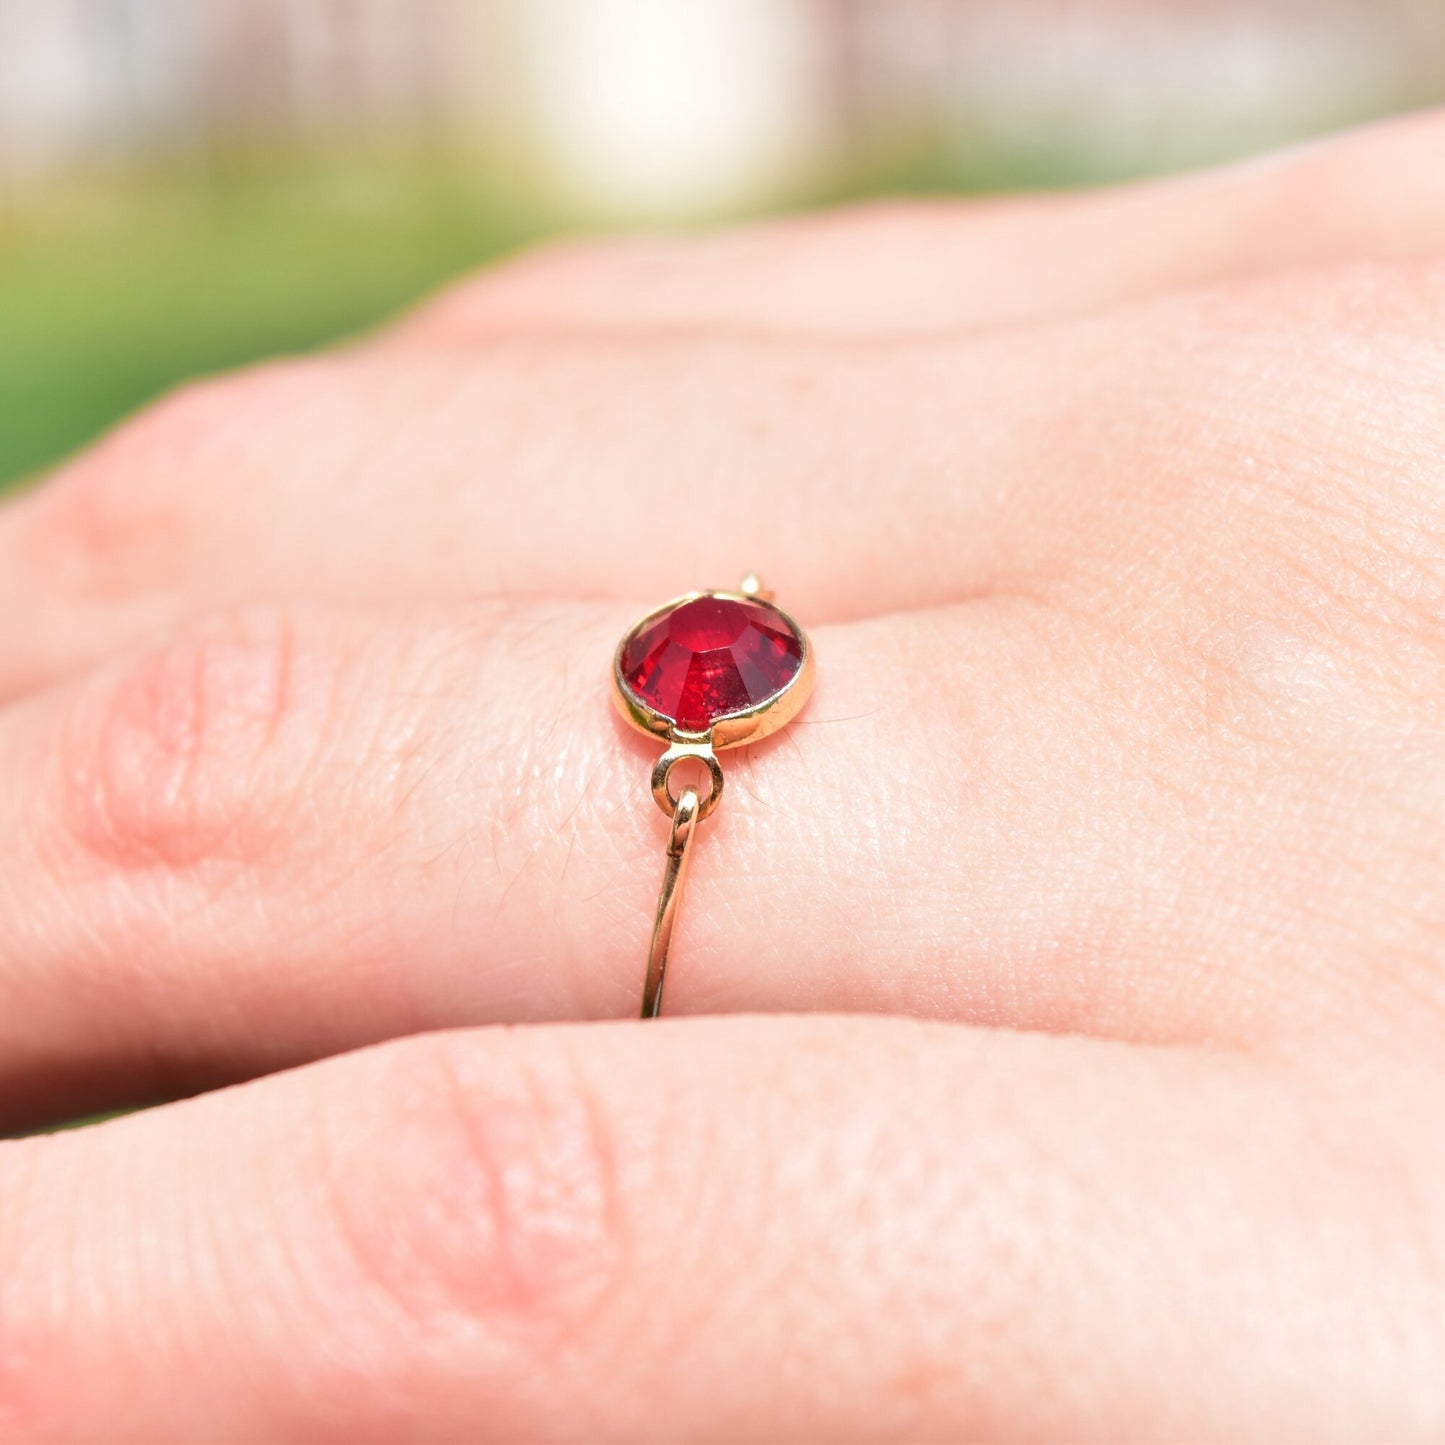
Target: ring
{"type": "Point", "coordinates": [705, 672]}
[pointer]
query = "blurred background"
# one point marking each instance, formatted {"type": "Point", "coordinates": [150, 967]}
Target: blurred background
{"type": "Point", "coordinates": [188, 184]}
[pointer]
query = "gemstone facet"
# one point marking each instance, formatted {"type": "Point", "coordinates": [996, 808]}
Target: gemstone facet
{"type": "Point", "coordinates": [710, 657]}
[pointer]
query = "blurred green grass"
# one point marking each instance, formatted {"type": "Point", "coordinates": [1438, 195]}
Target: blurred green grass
{"type": "Point", "coordinates": [112, 291]}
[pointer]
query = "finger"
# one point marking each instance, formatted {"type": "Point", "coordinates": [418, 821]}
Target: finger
{"type": "Point", "coordinates": [535, 467]}
{"type": "Point", "coordinates": [531, 471]}
{"type": "Point", "coordinates": [1373, 194]}
{"type": "Point", "coordinates": [280, 835]}
{"type": "Point", "coordinates": [818, 1229]}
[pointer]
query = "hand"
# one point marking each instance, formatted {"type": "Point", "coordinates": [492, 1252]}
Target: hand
{"type": "Point", "coordinates": [1118, 525]}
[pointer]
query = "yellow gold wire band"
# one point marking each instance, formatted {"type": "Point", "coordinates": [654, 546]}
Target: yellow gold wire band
{"type": "Point", "coordinates": [686, 815]}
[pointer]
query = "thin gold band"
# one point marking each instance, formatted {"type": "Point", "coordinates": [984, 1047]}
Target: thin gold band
{"type": "Point", "coordinates": [685, 818]}
{"type": "Point", "coordinates": [642, 707]}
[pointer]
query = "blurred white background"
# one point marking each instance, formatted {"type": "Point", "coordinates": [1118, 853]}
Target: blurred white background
{"type": "Point", "coordinates": [663, 107]}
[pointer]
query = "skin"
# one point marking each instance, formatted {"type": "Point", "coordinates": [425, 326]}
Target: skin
{"type": "Point", "coordinates": [1075, 965]}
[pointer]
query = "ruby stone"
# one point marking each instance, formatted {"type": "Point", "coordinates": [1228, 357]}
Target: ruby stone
{"type": "Point", "coordinates": [709, 658]}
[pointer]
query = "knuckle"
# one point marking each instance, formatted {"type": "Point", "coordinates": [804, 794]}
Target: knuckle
{"type": "Point", "coordinates": [128, 505]}
{"type": "Point", "coordinates": [123, 496]}
{"type": "Point", "coordinates": [162, 759]}
{"type": "Point", "coordinates": [487, 1191]}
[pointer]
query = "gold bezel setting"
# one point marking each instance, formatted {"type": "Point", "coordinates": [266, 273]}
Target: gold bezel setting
{"type": "Point", "coordinates": [731, 730]}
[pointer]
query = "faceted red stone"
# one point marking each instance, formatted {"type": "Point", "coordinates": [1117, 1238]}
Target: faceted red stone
{"type": "Point", "coordinates": [711, 657]}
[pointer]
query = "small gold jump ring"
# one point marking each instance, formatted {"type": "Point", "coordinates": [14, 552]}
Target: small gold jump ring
{"type": "Point", "coordinates": [677, 753]}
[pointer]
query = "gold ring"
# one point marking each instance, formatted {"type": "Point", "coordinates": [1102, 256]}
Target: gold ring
{"type": "Point", "coordinates": [705, 672]}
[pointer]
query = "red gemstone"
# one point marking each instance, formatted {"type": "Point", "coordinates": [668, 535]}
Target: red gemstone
{"type": "Point", "coordinates": [711, 657]}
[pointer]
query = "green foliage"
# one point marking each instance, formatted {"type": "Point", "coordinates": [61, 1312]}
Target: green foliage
{"type": "Point", "coordinates": [112, 292]}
